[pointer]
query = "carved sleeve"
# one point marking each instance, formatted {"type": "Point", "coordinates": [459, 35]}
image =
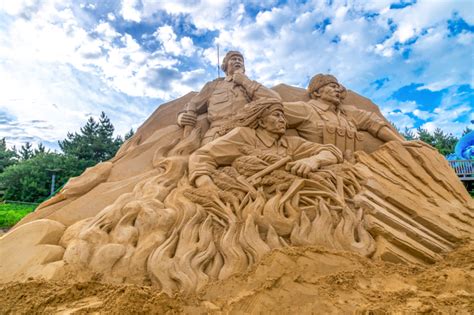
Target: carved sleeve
{"type": "Point", "coordinates": [257, 91]}
{"type": "Point", "coordinates": [367, 121]}
{"type": "Point", "coordinates": [221, 152]}
{"type": "Point", "coordinates": [303, 149]}
{"type": "Point", "coordinates": [297, 113]}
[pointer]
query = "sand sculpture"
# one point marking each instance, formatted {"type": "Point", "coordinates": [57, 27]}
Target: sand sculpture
{"type": "Point", "coordinates": [183, 205]}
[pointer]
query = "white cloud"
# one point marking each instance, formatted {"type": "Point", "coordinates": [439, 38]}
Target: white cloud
{"type": "Point", "coordinates": [16, 7]}
{"type": "Point", "coordinates": [166, 35]}
{"type": "Point", "coordinates": [130, 10]}
{"type": "Point", "coordinates": [282, 43]}
{"type": "Point", "coordinates": [106, 30]}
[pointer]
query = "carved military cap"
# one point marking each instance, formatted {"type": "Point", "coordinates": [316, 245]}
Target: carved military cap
{"type": "Point", "coordinates": [320, 80]}
{"type": "Point", "coordinates": [228, 56]}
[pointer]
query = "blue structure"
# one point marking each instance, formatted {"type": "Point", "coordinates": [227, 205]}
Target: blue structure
{"type": "Point", "coordinates": [462, 160]}
{"type": "Point", "coordinates": [464, 149]}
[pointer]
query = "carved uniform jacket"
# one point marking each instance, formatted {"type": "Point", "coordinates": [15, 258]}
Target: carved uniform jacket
{"type": "Point", "coordinates": [224, 150]}
{"type": "Point", "coordinates": [318, 122]}
{"type": "Point", "coordinates": [222, 98]}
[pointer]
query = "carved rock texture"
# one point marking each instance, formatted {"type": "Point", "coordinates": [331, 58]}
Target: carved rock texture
{"type": "Point", "coordinates": [137, 219]}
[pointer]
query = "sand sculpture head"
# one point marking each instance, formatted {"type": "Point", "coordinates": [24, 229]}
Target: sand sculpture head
{"type": "Point", "coordinates": [326, 88]}
{"type": "Point", "coordinates": [263, 113]}
{"type": "Point", "coordinates": [232, 62]}
{"type": "Point", "coordinates": [273, 119]}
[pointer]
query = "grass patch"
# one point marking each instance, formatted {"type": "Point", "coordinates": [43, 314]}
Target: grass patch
{"type": "Point", "coordinates": [10, 213]}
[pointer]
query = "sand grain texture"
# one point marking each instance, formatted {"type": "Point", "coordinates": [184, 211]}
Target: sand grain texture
{"type": "Point", "coordinates": [286, 281]}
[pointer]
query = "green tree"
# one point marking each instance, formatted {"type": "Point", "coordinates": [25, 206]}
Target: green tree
{"type": "Point", "coordinates": [26, 151]}
{"type": "Point", "coordinates": [95, 142]}
{"type": "Point", "coordinates": [444, 142]}
{"type": "Point", "coordinates": [7, 157]}
{"type": "Point", "coordinates": [440, 140]}
{"type": "Point", "coordinates": [30, 181]}
{"type": "Point", "coordinates": [408, 134]}
{"type": "Point", "coordinates": [39, 150]}
{"type": "Point", "coordinates": [425, 136]}
{"type": "Point", "coordinates": [129, 134]}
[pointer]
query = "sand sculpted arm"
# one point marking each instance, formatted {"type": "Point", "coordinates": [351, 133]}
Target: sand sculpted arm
{"type": "Point", "coordinates": [220, 152]}
{"type": "Point", "coordinates": [254, 89]}
{"type": "Point", "coordinates": [264, 92]}
{"type": "Point", "coordinates": [372, 123]}
{"type": "Point", "coordinates": [329, 153]}
{"type": "Point", "coordinates": [311, 156]}
{"type": "Point", "coordinates": [365, 120]}
{"type": "Point", "coordinates": [196, 106]}
{"type": "Point", "coordinates": [296, 113]}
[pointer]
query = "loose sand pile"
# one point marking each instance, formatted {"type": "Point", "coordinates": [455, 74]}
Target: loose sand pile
{"type": "Point", "coordinates": [293, 280]}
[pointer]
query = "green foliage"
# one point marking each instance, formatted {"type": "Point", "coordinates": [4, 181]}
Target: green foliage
{"type": "Point", "coordinates": [440, 140]}
{"type": "Point", "coordinates": [95, 142]}
{"type": "Point", "coordinates": [10, 214]}
{"type": "Point", "coordinates": [7, 157]}
{"type": "Point", "coordinates": [30, 181]}
{"type": "Point", "coordinates": [444, 142]}
{"type": "Point", "coordinates": [129, 134]}
{"type": "Point", "coordinates": [425, 136]}
{"type": "Point", "coordinates": [26, 151]}
{"type": "Point", "coordinates": [40, 149]}
{"type": "Point", "coordinates": [408, 134]}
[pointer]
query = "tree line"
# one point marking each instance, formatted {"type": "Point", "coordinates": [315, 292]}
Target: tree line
{"type": "Point", "coordinates": [442, 141]}
{"type": "Point", "coordinates": [25, 173]}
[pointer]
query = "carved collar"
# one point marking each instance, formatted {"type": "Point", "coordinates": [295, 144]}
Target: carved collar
{"type": "Point", "coordinates": [268, 141]}
{"type": "Point", "coordinates": [325, 107]}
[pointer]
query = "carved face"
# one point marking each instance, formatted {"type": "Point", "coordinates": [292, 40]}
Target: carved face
{"type": "Point", "coordinates": [235, 63]}
{"type": "Point", "coordinates": [274, 122]}
{"type": "Point", "coordinates": [331, 93]}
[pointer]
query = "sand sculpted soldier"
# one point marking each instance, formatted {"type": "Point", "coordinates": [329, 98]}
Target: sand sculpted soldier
{"type": "Point", "coordinates": [262, 132]}
{"type": "Point", "coordinates": [223, 97]}
{"type": "Point", "coordinates": [324, 120]}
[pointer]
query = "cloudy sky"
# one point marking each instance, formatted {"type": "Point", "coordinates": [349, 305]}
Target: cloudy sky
{"type": "Point", "coordinates": [62, 61]}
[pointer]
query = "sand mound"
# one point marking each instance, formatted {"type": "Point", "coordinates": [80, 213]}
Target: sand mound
{"type": "Point", "coordinates": [291, 280]}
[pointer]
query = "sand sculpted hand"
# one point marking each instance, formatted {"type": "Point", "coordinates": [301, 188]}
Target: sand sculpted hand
{"type": "Point", "coordinates": [239, 77]}
{"type": "Point", "coordinates": [205, 181]}
{"type": "Point", "coordinates": [303, 167]}
{"type": "Point", "coordinates": [187, 119]}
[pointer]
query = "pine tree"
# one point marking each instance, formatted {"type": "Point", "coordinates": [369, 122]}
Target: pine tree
{"type": "Point", "coordinates": [129, 134]}
{"type": "Point", "coordinates": [7, 157]}
{"type": "Point", "coordinates": [39, 150]}
{"type": "Point", "coordinates": [408, 134]}
{"type": "Point", "coordinates": [26, 151]}
{"type": "Point", "coordinates": [444, 142]}
{"type": "Point", "coordinates": [425, 136]}
{"type": "Point", "coordinates": [95, 142]}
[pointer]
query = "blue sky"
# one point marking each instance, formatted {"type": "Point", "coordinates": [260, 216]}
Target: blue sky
{"type": "Point", "coordinates": [62, 61]}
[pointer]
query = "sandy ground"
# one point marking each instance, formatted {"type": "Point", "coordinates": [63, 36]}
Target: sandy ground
{"type": "Point", "coordinates": [290, 281]}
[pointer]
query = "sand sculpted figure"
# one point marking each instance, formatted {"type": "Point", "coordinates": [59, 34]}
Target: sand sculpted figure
{"type": "Point", "coordinates": [177, 215]}
{"type": "Point", "coordinates": [265, 140]}
{"type": "Point", "coordinates": [324, 120]}
{"type": "Point", "coordinates": [249, 191]}
{"type": "Point", "coordinates": [223, 97]}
